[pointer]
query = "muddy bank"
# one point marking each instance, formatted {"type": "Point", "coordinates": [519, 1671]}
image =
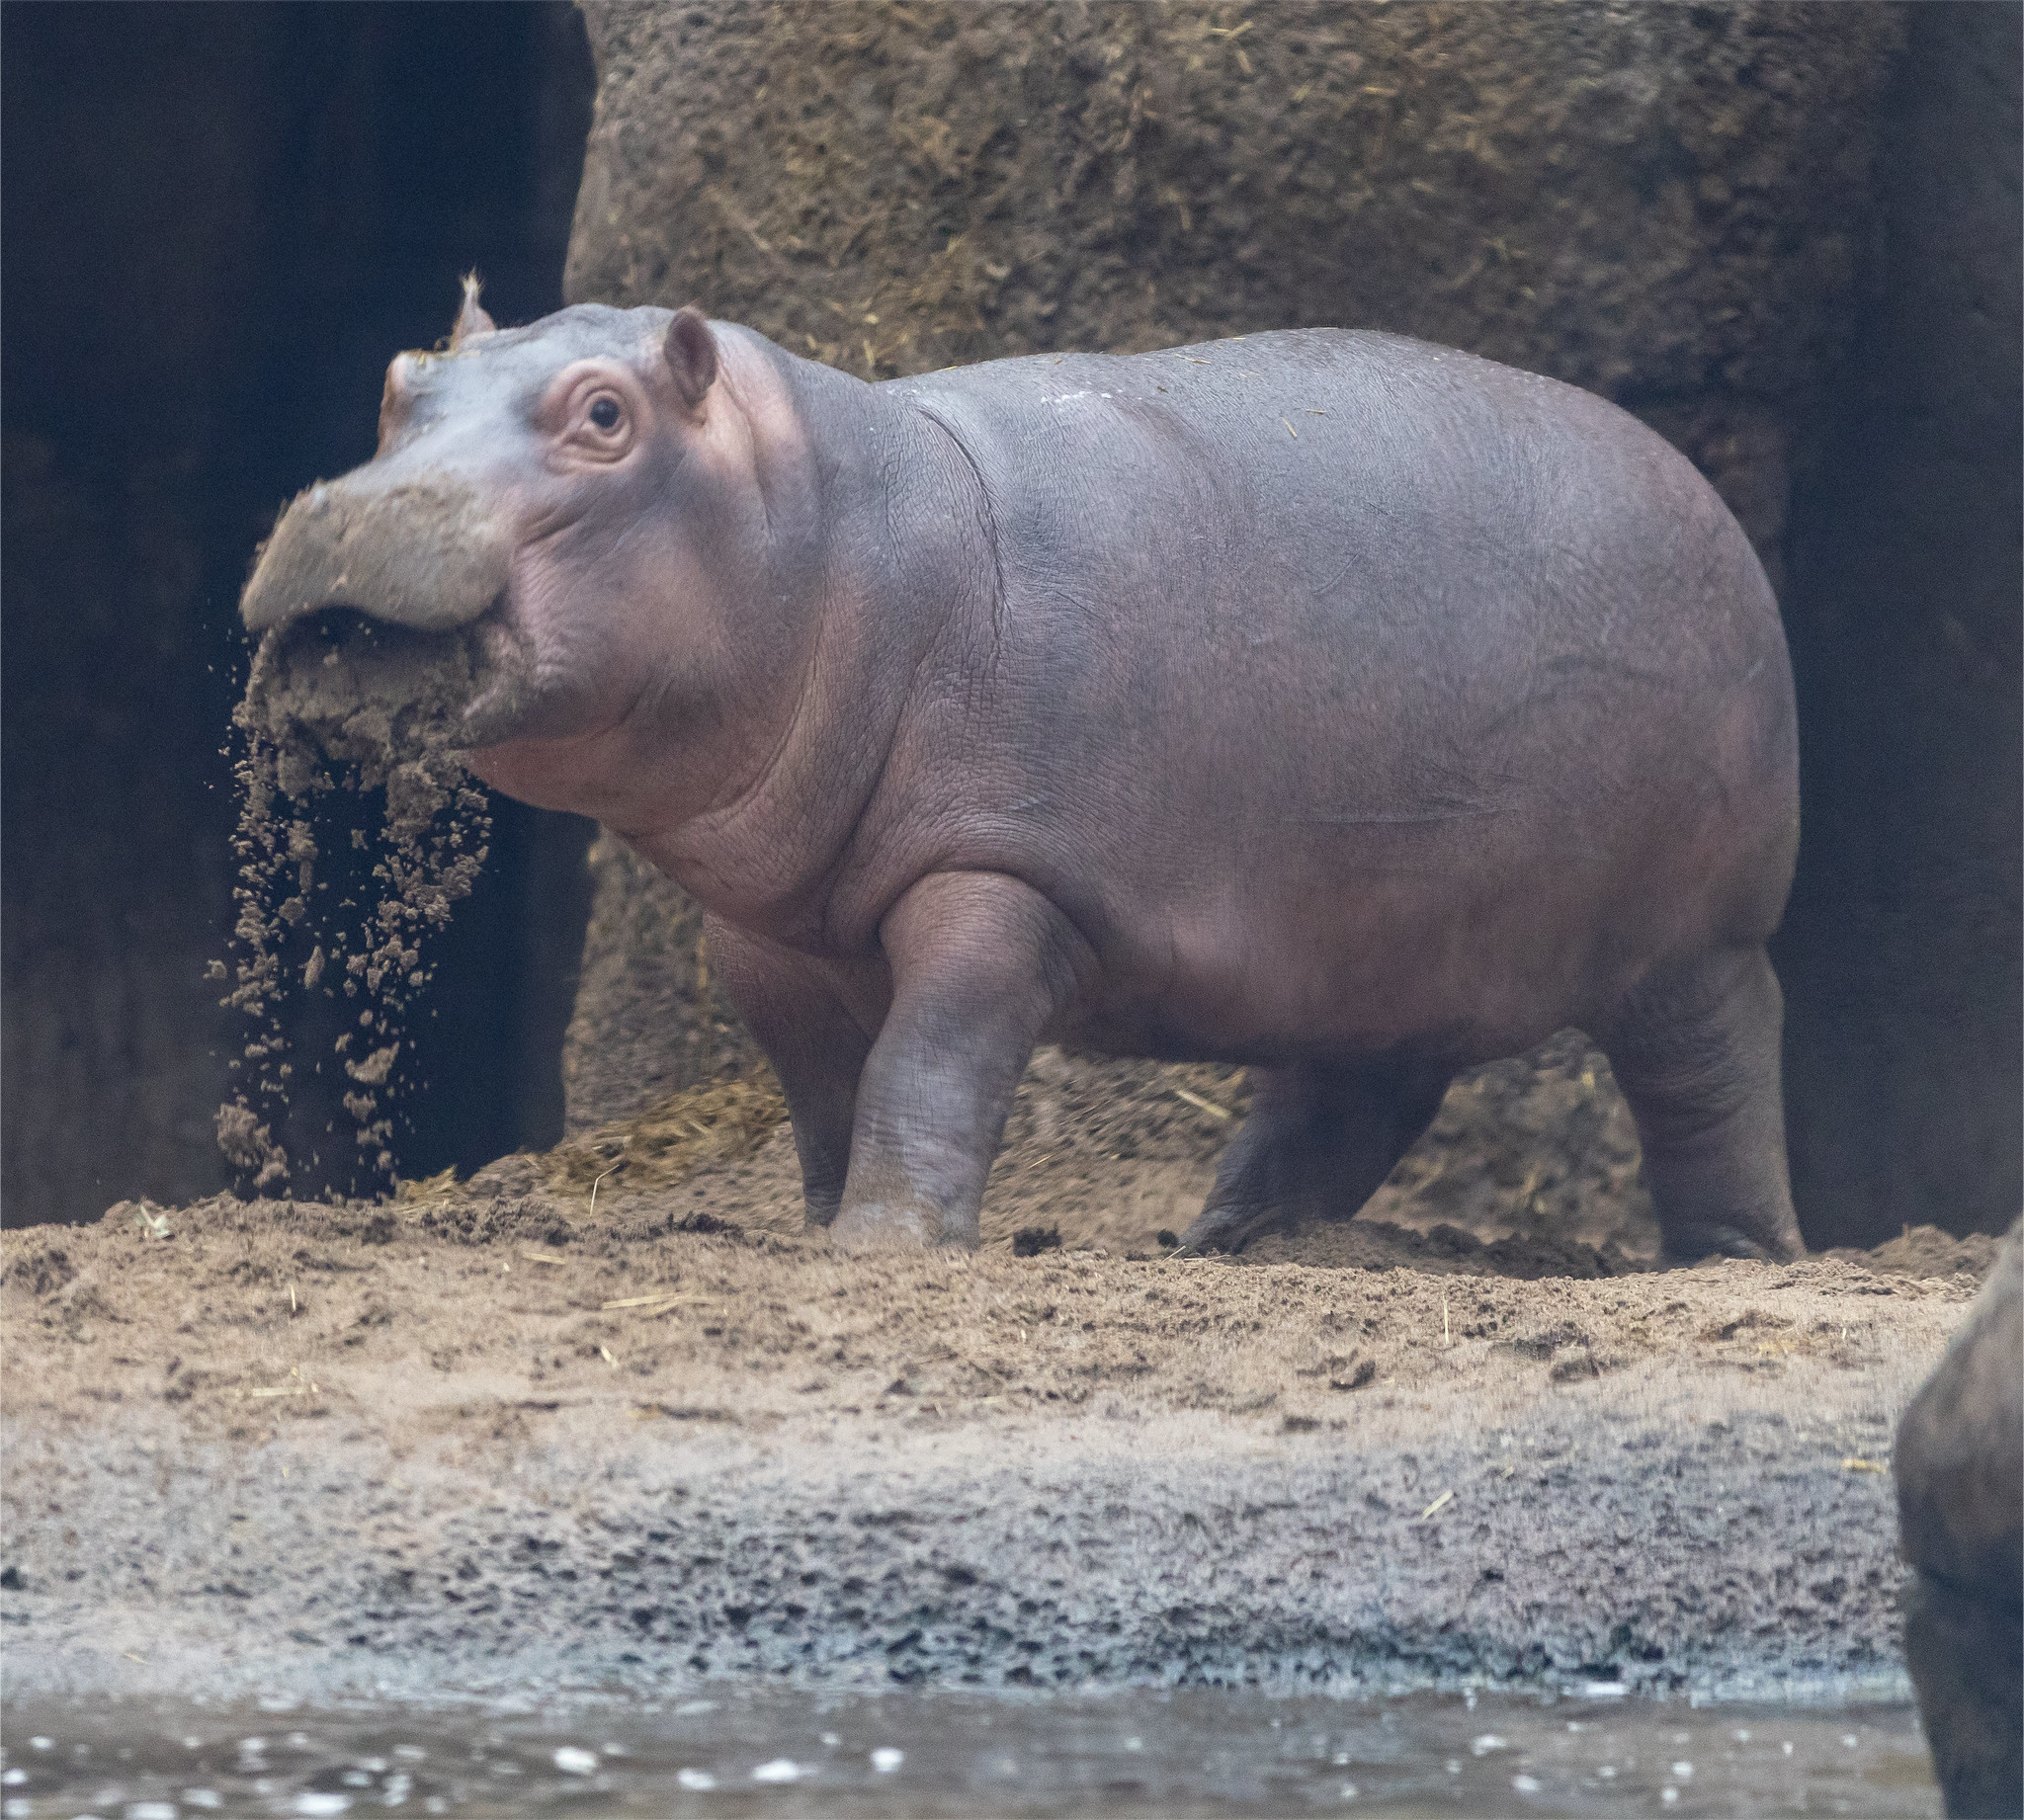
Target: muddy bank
{"type": "Point", "coordinates": [490, 1439]}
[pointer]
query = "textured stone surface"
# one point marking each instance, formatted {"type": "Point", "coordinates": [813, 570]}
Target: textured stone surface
{"type": "Point", "coordinates": [1148, 1554]}
{"type": "Point", "coordinates": [1646, 200]}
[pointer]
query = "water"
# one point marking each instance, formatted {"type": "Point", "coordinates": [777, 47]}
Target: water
{"type": "Point", "coordinates": [773, 1753]}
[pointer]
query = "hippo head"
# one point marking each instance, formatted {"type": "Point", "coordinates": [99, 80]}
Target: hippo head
{"type": "Point", "coordinates": [544, 519]}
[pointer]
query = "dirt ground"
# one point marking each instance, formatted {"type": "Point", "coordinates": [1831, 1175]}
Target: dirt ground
{"type": "Point", "coordinates": [233, 1312]}
{"type": "Point", "coordinates": [497, 1432]}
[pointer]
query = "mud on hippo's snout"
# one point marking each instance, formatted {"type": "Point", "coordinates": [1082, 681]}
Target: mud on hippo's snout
{"type": "Point", "coordinates": [359, 691]}
{"type": "Point", "coordinates": [368, 601]}
{"type": "Point", "coordinates": [430, 554]}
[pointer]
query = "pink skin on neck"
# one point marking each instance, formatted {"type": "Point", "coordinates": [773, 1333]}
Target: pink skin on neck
{"type": "Point", "coordinates": [635, 766]}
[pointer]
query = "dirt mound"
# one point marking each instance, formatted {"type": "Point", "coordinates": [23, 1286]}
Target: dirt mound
{"type": "Point", "coordinates": [1530, 1169]}
{"type": "Point", "coordinates": [645, 1023]}
{"type": "Point", "coordinates": [1529, 1173]}
{"type": "Point", "coordinates": [1926, 1251]}
{"type": "Point", "coordinates": [264, 1290]}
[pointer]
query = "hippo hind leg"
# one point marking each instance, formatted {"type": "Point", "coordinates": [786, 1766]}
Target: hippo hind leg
{"type": "Point", "coordinates": [1319, 1142]}
{"type": "Point", "coordinates": [1696, 1050]}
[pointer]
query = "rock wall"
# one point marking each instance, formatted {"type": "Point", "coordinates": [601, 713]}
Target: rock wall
{"type": "Point", "coordinates": [1669, 205]}
{"type": "Point", "coordinates": [1676, 207]}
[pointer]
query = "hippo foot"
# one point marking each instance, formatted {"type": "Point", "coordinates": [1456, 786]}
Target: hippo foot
{"type": "Point", "coordinates": [1684, 1245]}
{"type": "Point", "coordinates": [1319, 1142]}
{"type": "Point", "coordinates": [1222, 1227]}
{"type": "Point", "coordinates": [889, 1226]}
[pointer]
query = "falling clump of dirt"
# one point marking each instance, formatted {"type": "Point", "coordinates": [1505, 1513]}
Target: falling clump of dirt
{"type": "Point", "coordinates": [339, 702]}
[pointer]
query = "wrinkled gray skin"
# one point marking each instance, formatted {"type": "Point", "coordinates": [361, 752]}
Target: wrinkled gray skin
{"type": "Point", "coordinates": [1322, 701]}
{"type": "Point", "coordinates": [1960, 1465]}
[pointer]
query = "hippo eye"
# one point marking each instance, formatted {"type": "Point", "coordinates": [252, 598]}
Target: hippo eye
{"type": "Point", "coordinates": [605, 413]}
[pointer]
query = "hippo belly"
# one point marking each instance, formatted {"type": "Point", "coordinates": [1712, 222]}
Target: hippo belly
{"type": "Point", "coordinates": [1415, 728]}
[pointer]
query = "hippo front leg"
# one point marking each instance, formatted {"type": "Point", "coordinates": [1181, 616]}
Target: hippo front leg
{"type": "Point", "coordinates": [980, 963]}
{"type": "Point", "coordinates": [815, 1041]}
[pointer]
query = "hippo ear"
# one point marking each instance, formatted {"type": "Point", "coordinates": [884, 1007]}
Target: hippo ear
{"type": "Point", "coordinates": [472, 319]}
{"type": "Point", "coordinates": [691, 353]}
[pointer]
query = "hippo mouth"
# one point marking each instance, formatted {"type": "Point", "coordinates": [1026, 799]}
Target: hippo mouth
{"type": "Point", "coordinates": [368, 692]}
{"type": "Point", "coordinates": [381, 604]}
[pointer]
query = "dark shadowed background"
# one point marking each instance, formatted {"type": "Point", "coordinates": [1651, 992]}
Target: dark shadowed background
{"type": "Point", "coordinates": [220, 223]}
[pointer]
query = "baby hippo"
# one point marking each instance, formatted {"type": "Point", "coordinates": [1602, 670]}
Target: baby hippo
{"type": "Point", "coordinates": [1323, 701]}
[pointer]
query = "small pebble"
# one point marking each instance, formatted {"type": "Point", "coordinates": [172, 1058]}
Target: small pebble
{"type": "Point", "coordinates": [779, 1770]}
{"type": "Point", "coordinates": [886, 1758]}
{"type": "Point", "coordinates": [316, 1803]}
{"type": "Point", "coordinates": [1488, 1742]}
{"type": "Point", "coordinates": [1525, 1785]}
{"type": "Point", "coordinates": [698, 1779]}
{"type": "Point", "coordinates": [1684, 1770]}
{"type": "Point", "coordinates": [1668, 1795]}
{"type": "Point", "coordinates": [573, 1762]}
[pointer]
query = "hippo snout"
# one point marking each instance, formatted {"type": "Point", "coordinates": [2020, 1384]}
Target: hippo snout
{"type": "Point", "coordinates": [426, 552]}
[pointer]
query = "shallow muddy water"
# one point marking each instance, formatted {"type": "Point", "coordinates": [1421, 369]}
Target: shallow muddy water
{"type": "Point", "coordinates": [902, 1752]}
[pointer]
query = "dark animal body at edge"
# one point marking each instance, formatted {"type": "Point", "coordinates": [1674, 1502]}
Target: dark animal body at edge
{"type": "Point", "coordinates": [1322, 700]}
